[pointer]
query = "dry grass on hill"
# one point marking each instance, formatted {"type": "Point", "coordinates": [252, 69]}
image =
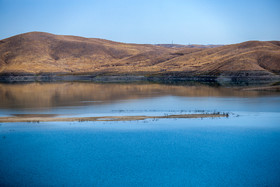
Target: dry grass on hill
{"type": "Point", "coordinates": [38, 52]}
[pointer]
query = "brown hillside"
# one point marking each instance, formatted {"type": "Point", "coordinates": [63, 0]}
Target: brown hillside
{"type": "Point", "coordinates": [38, 52]}
{"type": "Point", "coordinates": [187, 46]}
{"type": "Point", "coordinates": [247, 56]}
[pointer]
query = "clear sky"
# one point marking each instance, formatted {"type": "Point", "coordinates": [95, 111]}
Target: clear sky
{"type": "Point", "coordinates": [146, 21]}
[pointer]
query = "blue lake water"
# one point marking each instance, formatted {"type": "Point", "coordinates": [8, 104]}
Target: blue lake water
{"type": "Point", "coordinates": [241, 150]}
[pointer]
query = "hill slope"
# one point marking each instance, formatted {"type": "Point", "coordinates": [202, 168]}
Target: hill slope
{"type": "Point", "coordinates": [42, 52]}
{"type": "Point", "coordinates": [38, 52]}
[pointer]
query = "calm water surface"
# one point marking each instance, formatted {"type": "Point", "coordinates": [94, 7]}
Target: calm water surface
{"type": "Point", "coordinates": [242, 150]}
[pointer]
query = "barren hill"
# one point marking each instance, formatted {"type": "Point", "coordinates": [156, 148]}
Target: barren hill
{"type": "Point", "coordinates": [39, 53]}
{"type": "Point", "coordinates": [187, 46]}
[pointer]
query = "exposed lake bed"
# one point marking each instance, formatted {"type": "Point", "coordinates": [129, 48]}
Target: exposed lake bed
{"type": "Point", "coordinates": [241, 149]}
{"type": "Point", "coordinates": [50, 117]}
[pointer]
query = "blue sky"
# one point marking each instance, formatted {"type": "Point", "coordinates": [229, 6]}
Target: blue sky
{"type": "Point", "coordinates": [146, 21]}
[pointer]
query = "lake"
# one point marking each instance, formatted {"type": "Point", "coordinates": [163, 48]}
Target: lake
{"type": "Point", "coordinates": [242, 149]}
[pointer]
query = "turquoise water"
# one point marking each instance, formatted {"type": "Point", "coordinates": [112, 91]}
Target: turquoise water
{"type": "Point", "coordinates": [242, 150]}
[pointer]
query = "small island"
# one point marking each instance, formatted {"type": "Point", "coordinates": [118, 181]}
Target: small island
{"type": "Point", "coordinates": [52, 117]}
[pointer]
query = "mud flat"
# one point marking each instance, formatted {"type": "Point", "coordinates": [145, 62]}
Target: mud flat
{"type": "Point", "coordinates": [52, 118]}
{"type": "Point", "coordinates": [265, 88]}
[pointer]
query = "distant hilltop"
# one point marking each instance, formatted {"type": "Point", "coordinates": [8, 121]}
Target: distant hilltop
{"type": "Point", "coordinates": [188, 46]}
{"type": "Point", "coordinates": [41, 53]}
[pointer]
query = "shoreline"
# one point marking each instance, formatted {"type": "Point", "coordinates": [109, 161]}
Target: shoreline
{"type": "Point", "coordinates": [235, 78]}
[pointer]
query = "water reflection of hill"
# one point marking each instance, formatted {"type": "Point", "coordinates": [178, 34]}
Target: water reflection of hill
{"type": "Point", "coordinates": [77, 94]}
